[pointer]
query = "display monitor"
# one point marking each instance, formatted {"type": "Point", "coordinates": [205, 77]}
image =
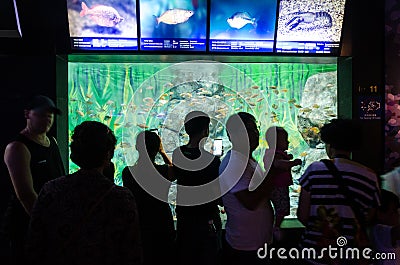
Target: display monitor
{"type": "Point", "coordinates": [173, 25]}
{"type": "Point", "coordinates": [306, 26]}
{"type": "Point", "coordinates": [102, 24]}
{"type": "Point", "coordinates": [242, 26]}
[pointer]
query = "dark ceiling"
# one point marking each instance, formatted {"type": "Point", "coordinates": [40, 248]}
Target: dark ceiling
{"type": "Point", "coordinates": [44, 28]}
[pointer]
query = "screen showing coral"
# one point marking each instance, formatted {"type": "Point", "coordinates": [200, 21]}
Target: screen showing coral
{"type": "Point", "coordinates": [310, 26]}
{"type": "Point", "coordinates": [103, 24]}
{"type": "Point", "coordinates": [242, 26]}
{"type": "Point", "coordinates": [132, 97]}
{"type": "Point", "coordinates": [173, 25]}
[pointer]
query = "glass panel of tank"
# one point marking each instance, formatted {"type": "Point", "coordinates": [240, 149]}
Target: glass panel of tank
{"type": "Point", "coordinates": [131, 97]}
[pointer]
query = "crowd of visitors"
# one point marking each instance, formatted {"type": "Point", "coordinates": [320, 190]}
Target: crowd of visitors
{"type": "Point", "coordinates": [84, 218]}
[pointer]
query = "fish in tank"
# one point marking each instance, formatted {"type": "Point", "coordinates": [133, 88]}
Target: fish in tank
{"type": "Point", "coordinates": [132, 97]}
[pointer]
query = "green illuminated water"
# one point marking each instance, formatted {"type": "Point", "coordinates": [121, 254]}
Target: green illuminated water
{"type": "Point", "coordinates": [131, 97]}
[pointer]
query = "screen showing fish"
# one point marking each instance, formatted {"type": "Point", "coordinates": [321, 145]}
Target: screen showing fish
{"type": "Point", "coordinates": [306, 26]}
{"type": "Point", "coordinates": [102, 24]}
{"type": "Point", "coordinates": [242, 26]}
{"type": "Point", "coordinates": [173, 25]}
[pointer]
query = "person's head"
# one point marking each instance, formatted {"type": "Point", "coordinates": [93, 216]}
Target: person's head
{"type": "Point", "coordinates": [387, 213]}
{"type": "Point", "coordinates": [39, 112]}
{"type": "Point", "coordinates": [148, 144]}
{"type": "Point", "coordinates": [240, 125]}
{"type": "Point", "coordinates": [197, 124]}
{"type": "Point", "coordinates": [342, 134]}
{"type": "Point", "coordinates": [279, 135]}
{"type": "Point", "coordinates": [92, 145]}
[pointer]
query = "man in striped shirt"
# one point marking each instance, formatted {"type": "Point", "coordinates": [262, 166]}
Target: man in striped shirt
{"type": "Point", "coordinates": [327, 199]}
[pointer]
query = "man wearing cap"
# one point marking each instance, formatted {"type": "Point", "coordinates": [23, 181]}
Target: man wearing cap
{"type": "Point", "coordinates": [32, 159]}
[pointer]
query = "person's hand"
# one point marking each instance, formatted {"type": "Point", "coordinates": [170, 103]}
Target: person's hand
{"type": "Point", "coordinates": [297, 162]}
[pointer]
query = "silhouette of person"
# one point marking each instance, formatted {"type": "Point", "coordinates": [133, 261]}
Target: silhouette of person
{"type": "Point", "coordinates": [337, 204]}
{"type": "Point", "coordinates": [198, 226]}
{"type": "Point", "coordinates": [155, 216]}
{"type": "Point", "coordinates": [282, 163]}
{"type": "Point", "coordinates": [32, 159]}
{"type": "Point", "coordinates": [386, 230]}
{"type": "Point", "coordinates": [250, 216]}
{"type": "Point", "coordinates": [84, 218]}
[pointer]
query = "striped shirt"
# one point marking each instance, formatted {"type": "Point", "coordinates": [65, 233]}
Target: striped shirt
{"type": "Point", "coordinates": [330, 215]}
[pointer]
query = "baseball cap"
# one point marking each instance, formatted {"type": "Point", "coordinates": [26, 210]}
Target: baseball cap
{"type": "Point", "coordinates": [42, 103]}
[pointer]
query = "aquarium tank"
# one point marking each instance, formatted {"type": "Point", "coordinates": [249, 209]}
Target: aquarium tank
{"type": "Point", "coordinates": [131, 97]}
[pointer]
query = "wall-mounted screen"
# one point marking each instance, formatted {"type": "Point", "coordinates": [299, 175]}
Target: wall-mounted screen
{"type": "Point", "coordinates": [102, 24]}
{"type": "Point", "coordinates": [173, 25]}
{"type": "Point", "coordinates": [306, 26]}
{"type": "Point", "coordinates": [242, 26]}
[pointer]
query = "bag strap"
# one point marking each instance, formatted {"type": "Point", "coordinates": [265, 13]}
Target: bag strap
{"type": "Point", "coordinates": [84, 219]}
{"type": "Point", "coordinates": [344, 188]}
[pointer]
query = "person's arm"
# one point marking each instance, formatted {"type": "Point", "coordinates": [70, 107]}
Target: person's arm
{"type": "Point", "coordinates": [164, 155]}
{"type": "Point", "coordinates": [251, 199]}
{"type": "Point", "coordinates": [17, 158]}
{"type": "Point", "coordinates": [167, 160]}
{"type": "Point", "coordinates": [36, 241]}
{"type": "Point", "coordinates": [286, 164]}
{"type": "Point", "coordinates": [232, 179]}
{"type": "Point", "coordinates": [303, 210]}
{"type": "Point", "coordinates": [170, 174]}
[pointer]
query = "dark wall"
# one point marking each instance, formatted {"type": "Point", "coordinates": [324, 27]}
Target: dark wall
{"type": "Point", "coordinates": [367, 23]}
{"type": "Point", "coordinates": [44, 29]}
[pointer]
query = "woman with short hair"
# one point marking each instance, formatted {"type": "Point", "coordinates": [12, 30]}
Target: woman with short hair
{"type": "Point", "coordinates": [84, 218]}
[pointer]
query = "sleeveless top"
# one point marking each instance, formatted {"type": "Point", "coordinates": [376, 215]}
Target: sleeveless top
{"type": "Point", "coordinates": [45, 165]}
